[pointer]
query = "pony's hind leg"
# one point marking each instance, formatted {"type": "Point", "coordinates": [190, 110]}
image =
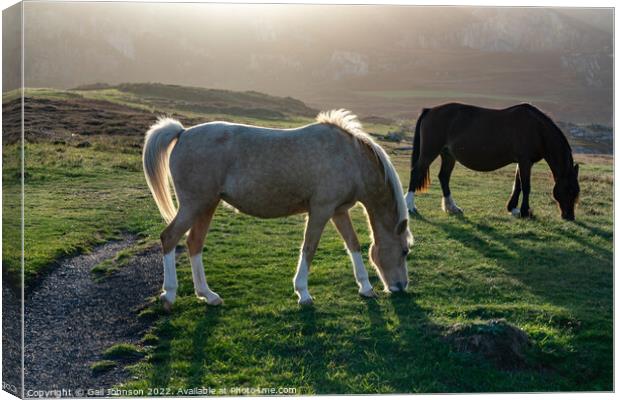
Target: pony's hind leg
{"type": "Point", "coordinates": [343, 224]}
{"type": "Point", "coordinates": [418, 181]}
{"type": "Point", "coordinates": [195, 243]}
{"type": "Point", "coordinates": [314, 228]}
{"type": "Point", "coordinates": [169, 239]}
{"type": "Point", "coordinates": [447, 202]}
{"type": "Point", "coordinates": [514, 197]}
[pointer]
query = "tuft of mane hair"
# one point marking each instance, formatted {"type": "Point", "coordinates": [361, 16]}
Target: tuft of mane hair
{"type": "Point", "coordinates": [349, 123]}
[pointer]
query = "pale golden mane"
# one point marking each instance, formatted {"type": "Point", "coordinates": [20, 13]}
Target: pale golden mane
{"type": "Point", "coordinates": [349, 123]}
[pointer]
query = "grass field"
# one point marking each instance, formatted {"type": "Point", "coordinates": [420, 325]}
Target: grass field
{"type": "Point", "coordinates": [553, 279]}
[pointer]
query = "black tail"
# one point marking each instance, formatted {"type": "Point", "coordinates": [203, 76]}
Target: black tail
{"type": "Point", "coordinates": [420, 180]}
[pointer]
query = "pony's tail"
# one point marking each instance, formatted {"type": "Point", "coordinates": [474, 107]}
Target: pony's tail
{"type": "Point", "coordinates": [420, 180]}
{"type": "Point", "coordinates": [158, 143]}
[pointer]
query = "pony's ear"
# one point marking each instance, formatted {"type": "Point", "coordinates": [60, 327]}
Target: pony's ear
{"type": "Point", "coordinates": [576, 168]}
{"type": "Point", "coordinates": [402, 225]}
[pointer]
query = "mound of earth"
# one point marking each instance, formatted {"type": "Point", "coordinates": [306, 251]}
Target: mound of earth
{"type": "Point", "coordinates": [498, 341]}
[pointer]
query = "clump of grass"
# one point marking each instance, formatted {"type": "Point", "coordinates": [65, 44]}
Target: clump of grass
{"type": "Point", "coordinates": [99, 367]}
{"type": "Point", "coordinates": [150, 339]}
{"type": "Point", "coordinates": [123, 352]}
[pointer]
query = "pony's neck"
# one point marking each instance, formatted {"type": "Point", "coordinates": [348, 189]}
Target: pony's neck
{"type": "Point", "coordinates": [381, 216]}
{"type": "Point", "coordinates": [560, 160]}
{"type": "Point", "coordinates": [380, 203]}
{"type": "Point", "coordinates": [558, 155]}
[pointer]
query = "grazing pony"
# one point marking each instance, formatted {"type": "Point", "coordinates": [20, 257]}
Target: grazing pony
{"type": "Point", "coordinates": [322, 169]}
{"type": "Point", "coordinates": [485, 140]}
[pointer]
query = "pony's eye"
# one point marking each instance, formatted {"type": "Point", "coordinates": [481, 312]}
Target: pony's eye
{"type": "Point", "coordinates": [405, 252]}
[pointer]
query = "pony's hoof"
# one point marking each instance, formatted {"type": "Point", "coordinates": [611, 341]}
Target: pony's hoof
{"type": "Point", "coordinates": [216, 301]}
{"type": "Point", "coordinates": [370, 294]}
{"type": "Point", "coordinates": [306, 301]}
{"type": "Point", "coordinates": [165, 303]}
{"type": "Point", "coordinates": [515, 212]}
{"type": "Point", "coordinates": [455, 211]}
{"type": "Point", "coordinates": [212, 299]}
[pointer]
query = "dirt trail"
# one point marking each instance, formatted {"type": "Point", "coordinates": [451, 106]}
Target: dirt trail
{"type": "Point", "coordinates": [70, 319]}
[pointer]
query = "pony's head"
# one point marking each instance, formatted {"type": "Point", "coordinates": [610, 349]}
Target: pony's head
{"type": "Point", "coordinates": [389, 257]}
{"type": "Point", "coordinates": [566, 192]}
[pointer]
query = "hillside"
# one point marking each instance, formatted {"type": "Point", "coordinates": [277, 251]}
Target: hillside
{"type": "Point", "coordinates": [214, 101]}
{"type": "Point", "coordinates": [128, 109]}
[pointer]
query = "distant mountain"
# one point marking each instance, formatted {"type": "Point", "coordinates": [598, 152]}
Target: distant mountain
{"type": "Point", "coordinates": [336, 56]}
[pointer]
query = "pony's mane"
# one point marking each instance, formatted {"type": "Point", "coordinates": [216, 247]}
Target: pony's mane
{"type": "Point", "coordinates": [349, 123]}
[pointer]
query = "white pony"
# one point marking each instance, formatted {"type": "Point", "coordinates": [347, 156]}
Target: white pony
{"type": "Point", "coordinates": [322, 169]}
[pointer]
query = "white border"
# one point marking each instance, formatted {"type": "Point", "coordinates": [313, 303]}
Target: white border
{"type": "Point", "coordinates": [490, 3]}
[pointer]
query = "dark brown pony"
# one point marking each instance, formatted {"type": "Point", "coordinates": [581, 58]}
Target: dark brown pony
{"type": "Point", "coordinates": [484, 140]}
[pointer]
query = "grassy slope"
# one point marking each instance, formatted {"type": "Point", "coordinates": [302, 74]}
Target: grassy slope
{"type": "Point", "coordinates": [74, 198]}
{"type": "Point", "coordinates": [553, 279]}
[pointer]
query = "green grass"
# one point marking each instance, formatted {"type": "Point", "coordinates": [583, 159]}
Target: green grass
{"type": "Point", "coordinates": [551, 278]}
{"type": "Point", "coordinates": [99, 367]}
{"type": "Point", "coordinates": [123, 352]}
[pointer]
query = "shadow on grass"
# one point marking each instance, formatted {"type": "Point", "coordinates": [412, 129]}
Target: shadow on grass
{"type": "Point", "coordinates": [202, 333]}
{"type": "Point", "coordinates": [568, 271]}
{"type": "Point", "coordinates": [554, 258]}
{"type": "Point", "coordinates": [389, 345]}
{"type": "Point", "coordinates": [161, 356]}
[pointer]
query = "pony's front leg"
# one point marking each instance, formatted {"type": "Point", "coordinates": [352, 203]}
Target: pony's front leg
{"type": "Point", "coordinates": [447, 166]}
{"type": "Point", "coordinates": [525, 170]}
{"type": "Point", "coordinates": [201, 288]}
{"type": "Point", "coordinates": [343, 224]}
{"type": "Point", "coordinates": [314, 228]}
{"type": "Point", "coordinates": [300, 281]}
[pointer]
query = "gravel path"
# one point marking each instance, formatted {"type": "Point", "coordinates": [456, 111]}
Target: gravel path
{"type": "Point", "coordinates": [70, 319]}
{"type": "Point", "coordinates": [11, 338]}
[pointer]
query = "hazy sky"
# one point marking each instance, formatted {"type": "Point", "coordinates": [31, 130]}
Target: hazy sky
{"type": "Point", "coordinates": [325, 54]}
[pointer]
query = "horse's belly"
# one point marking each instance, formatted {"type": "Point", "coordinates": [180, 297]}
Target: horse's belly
{"type": "Point", "coordinates": [265, 202]}
{"type": "Point", "coordinates": [266, 210]}
{"type": "Point", "coordinates": [477, 165]}
{"type": "Point", "coordinates": [482, 158]}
